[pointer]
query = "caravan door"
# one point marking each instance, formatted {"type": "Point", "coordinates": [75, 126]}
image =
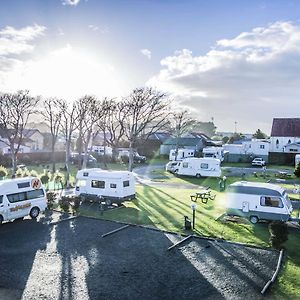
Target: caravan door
{"type": "Point", "coordinates": [245, 207]}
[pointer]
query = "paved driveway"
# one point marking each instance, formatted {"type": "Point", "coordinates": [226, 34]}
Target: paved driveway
{"type": "Point", "coordinates": [71, 260]}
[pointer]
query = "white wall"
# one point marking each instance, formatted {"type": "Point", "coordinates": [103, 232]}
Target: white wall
{"type": "Point", "coordinates": [282, 141]}
{"type": "Point", "coordinates": [254, 147]}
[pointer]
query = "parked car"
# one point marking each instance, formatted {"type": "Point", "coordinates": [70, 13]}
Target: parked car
{"type": "Point", "coordinates": [258, 161]}
{"type": "Point", "coordinates": [124, 155]}
{"type": "Point", "coordinates": [171, 166]}
{"type": "Point", "coordinates": [76, 158]}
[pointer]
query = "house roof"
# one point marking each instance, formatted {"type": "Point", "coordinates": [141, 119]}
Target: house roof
{"type": "Point", "coordinates": [160, 136]}
{"type": "Point", "coordinates": [286, 127]}
{"type": "Point", "coordinates": [183, 141]}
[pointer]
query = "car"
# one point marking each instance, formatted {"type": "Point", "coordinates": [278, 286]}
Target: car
{"type": "Point", "coordinates": [137, 158]}
{"type": "Point", "coordinates": [258, 161]}
{"type": "Point", "coordinates": [76, 158]}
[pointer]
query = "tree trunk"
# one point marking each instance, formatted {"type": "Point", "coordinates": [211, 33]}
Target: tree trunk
{"type": "Point", "coordinates": [130, 163]}
{"type": "Point", "coordinates": [68, 147]}
{"type": "Point", "coordinates": [13, 162]}
{"type": "Point", "coordinates": [86, 146]}
{"type": "Point", "coordinates": [53, 156]}
{"type": "Point", "coordinates": [104, 150]}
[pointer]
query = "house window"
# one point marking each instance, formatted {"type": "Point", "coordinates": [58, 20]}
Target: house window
{"type": "Point", "coordinates": [98, 184]}
{"type": "Point", "coordinates": [289, 141]}
{"type": "Point", "coordinates": [277, 144]}
{"type": "Point", "coordinates": [293, 150]}
{"type": "Point", "coordinates": [271, 201]}
{"type": "Point", "coordinates": [204, 166]}
{"type": "Point", "coordinates": [262, 146]}
{"type": "Point", "coordinates": [113, 186]}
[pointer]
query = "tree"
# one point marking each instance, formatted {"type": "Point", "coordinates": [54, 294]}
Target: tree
{"type": "Point", "coordinates": [15, 110]}
{"type": "Point", "coordinates": [225, 139]}
{"type": "Point", "coordinates": [207, 128]}
{"type": "Point", "coordinates": [180, 122]}
{"type": "Point", "coordinates": [297, 170]}
{"type": "Point", "coordinates": [235, 137]}
{"type": "Point", "coordinates": [143, 112]}
{"type": "Point", "coordinates": [68, 126]}
{"type": "Point", "coordinates": [52, 114]}
{"type": "Point", "coordinates": [259, 134]}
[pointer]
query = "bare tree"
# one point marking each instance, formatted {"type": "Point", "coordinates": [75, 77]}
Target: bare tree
{"type": "Point", "coordinates": [52, 114]}
{"type": "Point", "coordinates": [15, 110]}
{"type": "Point", "coordinates": [180, 123]}
{"type": "Point", "coordinates": [144, 111]}
{"type": "Point", "coordinates": [68, 126]}
{"type": "Point", "coordinates": [88, 113]}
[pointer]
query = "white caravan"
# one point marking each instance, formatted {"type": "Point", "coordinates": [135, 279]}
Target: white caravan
{"type": "Point", "coordinates": [297, 159]}
{"type": "Point", "coordinates": [100, 150]}
{"type": "Point", "coordinates": [182, 154]}
{"type": "Point", "coordinates": [215, 152]}
{"type": "Point", "coordinates": [258, 201]}
{"type": "Point", "coordinates": [199, 167]}
{"type": "Point", "coordinates": [111, 186]}
{"type": "Point", "coordinates": [21, 197]}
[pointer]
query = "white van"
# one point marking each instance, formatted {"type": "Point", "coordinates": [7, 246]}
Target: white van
{"type": "Point", "coordinates": [111, 186]}
{"type": "Point", "coordinates": [182, 154]}
{"type": "Point", "coordinates": [199, 167]}
{"type": "Point", "coordinates": [21, 197]}
{"type": "Point", "coordinates": [258, 201]}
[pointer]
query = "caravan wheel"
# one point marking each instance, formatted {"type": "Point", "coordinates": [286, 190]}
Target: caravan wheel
{"type": "Point", "coordinates": [108, 202]}
{"type": "Point", "coordinates": [253, 219]}
{"type": "Point", "coordinates": [198, 175]}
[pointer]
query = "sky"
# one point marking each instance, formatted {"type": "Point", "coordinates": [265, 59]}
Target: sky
{"type": "Point", "coordinates": [234, 62]}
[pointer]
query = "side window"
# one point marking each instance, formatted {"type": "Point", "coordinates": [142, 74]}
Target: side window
{"type": "Point", "coordinates": [23, 184]}
{"type": "Point", "coordinates": [35, 194]}
{"type": "Point", "coordinates": [113, 186]}
{"type": "Point", "coordinates": [126, 183]}
{"type": "Point", "coordinates": [185, 165]}
{"type": "Point", "coordinates": [16, 197]}
{"type": "Point", "coordinates": [271, 201]}
{"type": "Point", "coordinates": [98, 184]}
{"type": "Point", "coordinates": [204, 166]}
{"type": "Point", "coordinates": [1, 199]}
{"type": "Point", "coordinates": [262, 146]}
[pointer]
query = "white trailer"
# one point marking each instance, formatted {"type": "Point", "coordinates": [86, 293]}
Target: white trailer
{"type": "Point", "coordinates": [199, 167]}
{"type": "Point", "coordinates": [182, 154]}
{"type": "Point", "coordinates": [110, 186]}
{"type": "Point", "coordinates": [297, 159]}
{"type": "Point", "coordinates": [21, 197]}
{"type": "Point", "coordinates": [258, 201]}
{"type": "Point", "coordinates": [214, 152]}
{"type": "Point", "coordinates": [101, 149]}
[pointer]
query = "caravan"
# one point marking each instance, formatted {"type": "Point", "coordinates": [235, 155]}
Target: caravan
{"type": "Point", "coordinates": [199, 167]}
{"type": "Point", "coordinates": [181, 154]}
{"type": "Point", "coordinates": [215, 152]}
{"type": "Point", "coordinates": [21, 197]}
{"type": "Point", "coordinates": [111, 186]}
{"type": "Point", "coordinates": [258, 201]}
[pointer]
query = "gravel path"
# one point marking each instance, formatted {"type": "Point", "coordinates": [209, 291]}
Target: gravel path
{"type": "Point", "coordinates": [70, 260]}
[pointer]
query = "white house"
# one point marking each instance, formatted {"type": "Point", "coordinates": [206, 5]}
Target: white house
{"type": "Point", "coordinates": [255, 147]}
{"type": "Point", "coordinates": [285, 135]}
{"type": "Point", "coordinates": [4, 149]}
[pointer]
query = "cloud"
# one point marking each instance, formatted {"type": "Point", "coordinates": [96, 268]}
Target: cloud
{"type": "Point", "coordinates": [17, 41]}
{"type": "Point", "coordinates": [146, 52]}
{"type": "Point", "coordinates": [102, 30]}
{"type": "Point", "coordinates": [70, 2]}
{"type": "Point", "coordinates": [249, 79]}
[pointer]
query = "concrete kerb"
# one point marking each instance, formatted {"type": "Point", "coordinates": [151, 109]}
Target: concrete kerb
{"type": "Point", "coordinates": [63, 220]}
{"type": "Point", "coordinates": [116, 230]}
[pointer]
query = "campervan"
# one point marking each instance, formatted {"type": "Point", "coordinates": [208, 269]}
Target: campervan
{"type": "Point", "coordinates": [199, 167]}
{"type": "Point", "coordinates": [21, 197]}
{"type": "Point", "coordinates": [181, 154]}
{"type": "Point", "coordinates": [258, 201]}
{"type": "Point", "coordinates": [215, 152]}
{"type": "Point", "coordinates": [110, 186]}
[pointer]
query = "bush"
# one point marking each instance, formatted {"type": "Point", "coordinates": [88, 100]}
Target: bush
{"type": "Point", "coordinates": [3, 172]}
{"type": "Point", "coordinates": [45, 178]}
{"type": "Point", "coordinates": [51, 199]}
{"type": "Point", "coordinates": [278, 233]}
{"type": "Point", "coordinates": [59, 179]}
{"type": "Point", "coordinates": [19, 173]}
{"type": "Point", "coordinates": [34, 173]}
{"type": "Point", "coordinates": [297, 170]}
{"type": "Point", "coordinates": [26, 173]}
{"type": "Point", "coordinates": [76, 204]}
{"type": "Point", "coordinates": [64, 203]}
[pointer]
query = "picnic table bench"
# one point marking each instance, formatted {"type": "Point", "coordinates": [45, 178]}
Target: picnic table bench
{"type": "Point", "coordinates": [204, 195]}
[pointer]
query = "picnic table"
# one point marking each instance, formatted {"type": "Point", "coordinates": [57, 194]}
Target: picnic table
{"type": "Point", "coordinates": [283, 174]}
{"type": "Point", "coordinates": [204, 195]}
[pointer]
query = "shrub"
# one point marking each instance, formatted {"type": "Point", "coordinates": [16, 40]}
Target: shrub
{"type": "Point", "coordinates": [34, 173]}
{"type": "Point", "coordinates": [45, 178]}
{"type": "Point", "coordinates": [26, 172]}
{"type": "Point", "coordinates": [3, 172]}
{"type": "Point", "coordinates": [297, 170]}
{"type": "Point", "coordinates": [58, 179]}
{"type": "Point", "coordinates": [19, 173]}
{"type": "Point", "coordinates": [76, 204]}
{"type": "Point", "coordinates": [278, 233]}
{"type": "Point", "coordinates": [51, 199]}
{"type": "Point", "coordinates": [64, 203]}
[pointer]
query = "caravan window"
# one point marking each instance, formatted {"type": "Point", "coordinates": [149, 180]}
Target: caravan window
{"type": "Point", "coordinates": [185, 165]}
{"type": "Point", "coordinates": [98, 184]}
{"type": "Point", "coordinates": [204, 166]}
{"type": "Point", "coordinates": [16, 197]}
{"type": "Point", "coordinates": [1, 199]}
{"type": "Point", "coordinates": [271, 201]}
{"type": "Point", "coordinates": [23, 184]}
{"type": "Point", "coordinates": [113, 185]}
{"type": "Point", "coordinates": [126, 183]}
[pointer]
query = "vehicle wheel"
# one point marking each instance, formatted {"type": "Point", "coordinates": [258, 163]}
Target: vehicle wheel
{"type": "Point", "coordinates": [253, 219]}
{"type": "Point", "coordinates": [1, 219]}
{"type": "Point", "coordinates": [82, 198]}
{"type": "Point", "coordinates": [198, 175]}
{"type": "Point", "coordinates": [34, 212]}
{"type": "Point", "coordinates": [108, 202]}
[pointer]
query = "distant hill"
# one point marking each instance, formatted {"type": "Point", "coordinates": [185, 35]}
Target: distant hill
{"type": "Point", "coordinates": [41, 126]}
